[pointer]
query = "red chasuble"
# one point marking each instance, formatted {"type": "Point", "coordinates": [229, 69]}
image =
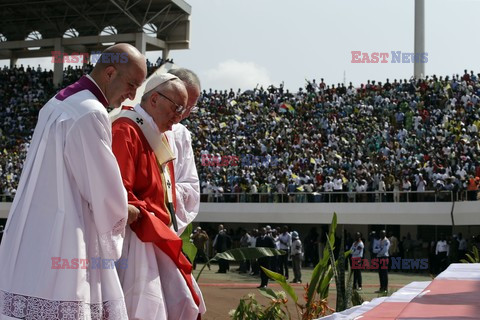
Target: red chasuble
{"type": "Point", "coordinates": [142, 179]}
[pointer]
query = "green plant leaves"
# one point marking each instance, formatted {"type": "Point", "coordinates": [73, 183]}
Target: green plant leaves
{"type": "Point", "coordinates": [473, 257]}
{"type": "Point", "coordinates": [269, 293]}
{"type": "Point", "coordinates": [187, 247]}
{"type": "Point", "coordinates": [324, 271]}
{"type": "Point", "coordinates": [318, 282]}
{"type": "Point", "coordinates": [340, 264]}
{"type": "Point", "coordinates": [280, 279]}
{"type": "Point", "coordinates": [241, 254]}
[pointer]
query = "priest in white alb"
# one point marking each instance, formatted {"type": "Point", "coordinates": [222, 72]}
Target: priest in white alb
{"type": "Point", "coordinates": [187, 185]}
{"type": "Point", "coordinates": [66, 224]}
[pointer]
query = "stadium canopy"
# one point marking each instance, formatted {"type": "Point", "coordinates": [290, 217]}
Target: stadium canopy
{"type": "Point", "coordinates": [31, 29]}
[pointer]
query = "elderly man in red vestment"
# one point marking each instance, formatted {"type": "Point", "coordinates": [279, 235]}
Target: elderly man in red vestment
{"type": "Point", "coordinates": [157, 282]}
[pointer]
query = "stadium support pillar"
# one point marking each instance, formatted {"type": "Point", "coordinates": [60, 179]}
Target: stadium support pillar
{"type": "Point", "coordinates": [13, 61]}
{"type": "Point", "coordinates": [86, 60]}
{"type": "Point", "coordinates": [58, 66]}
{"type": "Point", "coordinates": [165, 53]}
{"type": "Point", "coordinates": [141, 42]}
{"type": "Point", "coordinates": [419, 67]}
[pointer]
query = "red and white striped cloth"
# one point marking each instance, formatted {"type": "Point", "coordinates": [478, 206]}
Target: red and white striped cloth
{"type": "Point", "coordinates": [454, 294]}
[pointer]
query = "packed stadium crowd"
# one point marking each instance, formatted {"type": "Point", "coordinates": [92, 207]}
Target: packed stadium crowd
{"type": "Point", "coordinates": [386, 138]}
{"type": "Point", "coordinates": [23, 91]}
{"type": "Point", "coordinates": [415, 135]}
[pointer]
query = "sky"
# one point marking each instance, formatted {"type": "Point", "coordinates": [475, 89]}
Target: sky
{"type": "Point", "coordinates": [245, 43]}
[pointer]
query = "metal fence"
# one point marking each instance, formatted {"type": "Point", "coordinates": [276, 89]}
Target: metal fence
{"type": "Point", "coordinates": [341, 197]}
{"type": "Point", "coordinates": [6, 198]}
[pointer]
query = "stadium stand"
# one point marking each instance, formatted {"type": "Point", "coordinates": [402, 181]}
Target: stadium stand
{"type": "Point", "coordinates": [416, 135]}
{"type": "Point", "coordinates": [330, 143]}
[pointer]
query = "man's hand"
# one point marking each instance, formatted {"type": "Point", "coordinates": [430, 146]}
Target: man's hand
{"type": "Point", "coordinates": [133, 214]}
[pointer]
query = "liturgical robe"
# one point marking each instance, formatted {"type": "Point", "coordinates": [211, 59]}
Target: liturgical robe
{"type": "Point", "coordinates": [70, 209]}
{"type": "Point", "coordinates": [157, 284]}
{"type": "Point", "coordinates": [187, 185]}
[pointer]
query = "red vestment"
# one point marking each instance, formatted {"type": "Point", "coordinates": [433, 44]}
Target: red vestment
{"type": "Point", "coordinates": [142, 179]}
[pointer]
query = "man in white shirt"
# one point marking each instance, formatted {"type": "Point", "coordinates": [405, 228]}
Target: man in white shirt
{"type": "Point", "coordinates": [70, 210]}
{"type": "Point", "coordinates": [245, 241]}
{"type": "Point", "coordinates": [328, 187]}
{"type": "Point", "coordinates": [297, 254]}
{"type": "Point", "coordinates": [381, 189]}
{"type": "Point", "coordinates": [252, 244]}
{"type": "Point", "coordinates": [357, 254]}
{"type": "Point", "coordinates": [338, 188]}
{"type": "Point", "coordinates": [462, 246]}
{"type": "Point", "coordinates": [421, 184]}
{"type": "Point", "coordinates": [381, 251]}
{"type": "Point", "coordinates": [285, 242]}
{"type": "Point", "coordinates": [406, 187]}
{"type": "Point", "coordinates": [442, 251]}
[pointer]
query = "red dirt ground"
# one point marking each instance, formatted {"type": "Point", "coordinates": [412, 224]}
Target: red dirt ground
{"type": "Point", "coordinates": [222, 292]}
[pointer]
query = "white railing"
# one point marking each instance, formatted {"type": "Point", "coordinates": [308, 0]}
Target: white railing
{"type": "Point", "coordinates": [342, 197]}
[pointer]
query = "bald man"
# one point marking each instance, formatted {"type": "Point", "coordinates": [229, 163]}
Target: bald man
{"type": "Point", "coordinates": [158, 283]}
{"type": "Point", "coordinates": [67, 221]}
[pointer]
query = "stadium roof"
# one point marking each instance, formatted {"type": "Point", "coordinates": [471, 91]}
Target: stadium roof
{"type": "Point", "coordinates": [30, 28]}
{"type": "Point", "coordinates": [80, 23]}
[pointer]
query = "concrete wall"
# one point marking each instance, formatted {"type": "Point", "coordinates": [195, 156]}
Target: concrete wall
{"type": "Point", "coordinates": [400, 218]}
{"type": "Point", "coordinates": [420, 213]}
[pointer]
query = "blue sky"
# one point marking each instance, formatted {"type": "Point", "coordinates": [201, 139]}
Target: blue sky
{"type": "Point", "coordinates": [239, 43]}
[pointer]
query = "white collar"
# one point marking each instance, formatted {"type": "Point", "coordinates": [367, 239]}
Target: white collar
{"type": "Point", "coordinates": [138, 108]}
{"type": "Point", "coordinates": [91, 79]}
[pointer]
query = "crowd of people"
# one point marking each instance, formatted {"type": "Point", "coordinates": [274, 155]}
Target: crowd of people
{"type": "Point", "coordinates": [280, 238]}
{"type": "Point", "coordinates": [422, 255]}
{"type": "Point", "coordinates": [407, 255]}
{"type": "Point", "coordinates": [23, 91]}
{"type": "Point", "coordinates": [384, 138]}
{"type": "Point", "coordinates": [400, 136]}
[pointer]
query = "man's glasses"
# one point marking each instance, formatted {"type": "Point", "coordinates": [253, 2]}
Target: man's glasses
{"type": "Point", "coordinates": [178, 108]}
